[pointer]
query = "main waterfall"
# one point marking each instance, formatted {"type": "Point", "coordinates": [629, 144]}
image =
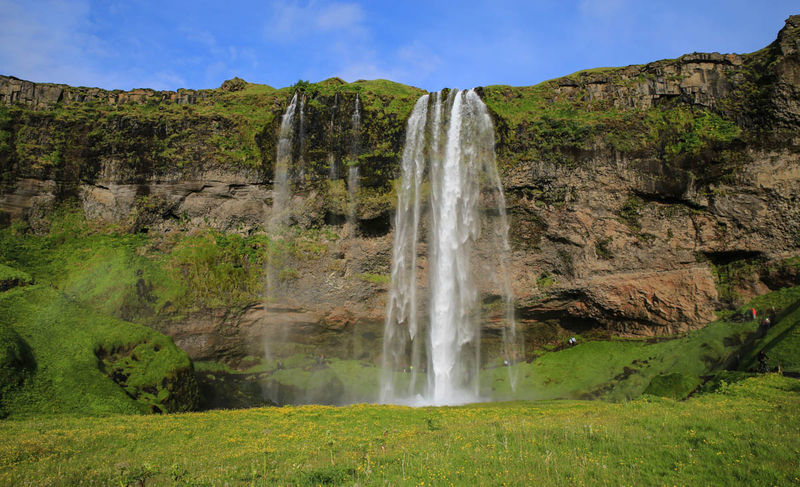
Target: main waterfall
{"type": "Point", "coordinates": [435, 359]}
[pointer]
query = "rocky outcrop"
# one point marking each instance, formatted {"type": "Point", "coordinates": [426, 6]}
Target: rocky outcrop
{"type": "Point", "coordinates": [786, 93]}
{"type": "Point", "coordinates": [279, 331]}
{"type": "Point", "coordinates": [698, 79]}
{"type": "Point", "coordinates": [665, 302]}
{"type": "Point", "coordinates": [44, 95]}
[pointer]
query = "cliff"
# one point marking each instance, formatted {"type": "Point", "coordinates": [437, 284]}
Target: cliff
{"type": "Point", "coordinates": [642, 199]}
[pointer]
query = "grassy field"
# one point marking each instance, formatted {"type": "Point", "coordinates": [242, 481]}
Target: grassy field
{"type": "Point", "coordinates": [747, 433]}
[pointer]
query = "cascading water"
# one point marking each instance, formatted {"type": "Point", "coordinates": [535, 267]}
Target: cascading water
{"type": "Point", "coordinates": [333, 173]}
{"type": "Point", "coordinates": [468, 251]}
{"type": "Point", "coordinates": [283, 162]}
{"type": "Point", "coordinates": [300, 165]}
{"type": "Point", "coordinates": [352, 170]}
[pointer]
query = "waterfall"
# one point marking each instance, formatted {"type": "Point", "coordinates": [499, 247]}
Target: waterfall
{"type": "Point", "coordinates": [468, 251]}
{"type": "Point", "coordinates": [283, 163]}
{"type": "Point", "coordinates": [332, 170]}
{"type": "Point", "coordinates": [401, 314]}
{"type": "Point", "coordinates": [301, 137]}
{"type": "Point", "coordinates": [352, 170]}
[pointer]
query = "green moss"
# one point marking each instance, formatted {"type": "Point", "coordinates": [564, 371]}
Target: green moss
{"type": "Point", "coordinates": [69, 345]}
{"type": "Point", "coordinates": [731, 277]}
{"type": "Point", "coordinates": [545, 281]}
{"type": "Point", "coordinates": [16, 364]}
{"type": "Point", "coordinates": [682, 131]}
{"type": "Point", "coordinates": [375, 278]}
{"type": "Point", "coordinates": [10, 277]}
{"type": "Point", "coordinates": [6, 133]}
{"type": "Point", "coordinates": [602, 250]}
{"type": "Point", "coordinates": [629, 213]}
{"type": "Point", "coordinates": [675, 385]}
{"type": "Point", "coordinates": [214, 269]}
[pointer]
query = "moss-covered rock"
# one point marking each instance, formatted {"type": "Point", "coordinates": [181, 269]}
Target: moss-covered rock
{"type": "Point", "coordinates": [675, 386]}
{"type": "Point", "coordinates": [16, 363]}
{"type": "Point", "coordinates": [86, 362]}
{"type": "Point", "coordinates": [10, 277]}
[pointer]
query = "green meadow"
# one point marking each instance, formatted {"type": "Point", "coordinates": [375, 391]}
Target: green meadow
{"type": "Point", "coordinates": [745, 433]}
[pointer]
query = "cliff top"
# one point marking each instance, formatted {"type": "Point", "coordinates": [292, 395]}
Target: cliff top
{"type": "Point", "coordinates": [15, 90]}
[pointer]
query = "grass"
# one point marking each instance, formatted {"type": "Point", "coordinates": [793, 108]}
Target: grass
{"type": "Point", "coordinates": [10, 277]}
{"type": "Point", "coordinates": [383, 279]}
{"type": "Point", "coordinates": [85, 362]}
{"type": "Point", "coordinates": [747, 433]}
{"type": "Point", "coordinates": [781, 343]}
{"type": "Point", "coordinates": [83, 354]}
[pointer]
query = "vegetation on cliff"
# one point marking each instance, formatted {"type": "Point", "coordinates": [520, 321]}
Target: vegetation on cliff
{"type": "Point", "coordinates": [66, 350]}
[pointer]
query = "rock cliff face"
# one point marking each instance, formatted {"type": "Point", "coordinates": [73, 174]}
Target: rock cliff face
{"type": "Point", "coordinates": [641, 199]}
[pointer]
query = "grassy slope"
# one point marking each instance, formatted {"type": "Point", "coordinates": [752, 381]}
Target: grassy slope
{"type": "Point", "coordinates": [63, 338]}
{"type": "Point", "coordinates": [745, 434]}
{"type": "Point", "coordinates": [781, 343]}
{"type": "Point", "coordinates": [67, 320]}
{"type": "Point", "coordinates": [618, 370]}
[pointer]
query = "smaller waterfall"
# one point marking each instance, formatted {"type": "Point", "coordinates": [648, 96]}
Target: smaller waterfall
{"type": "Point", "coordinates": [283, 163]}
{"type": "Point", "coordinates": [281, 193]}
{"type": "Point", "coordinates": [352, 169]}
{"type": "Point", "coordinates": [300, 164]}
{"type": "Point", "coordinates": [402, 331]}
{"type": "Point", "coordinates": [333, 172]}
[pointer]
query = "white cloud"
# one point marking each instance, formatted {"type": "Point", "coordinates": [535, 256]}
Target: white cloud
{"type": "Point", "coordinates": [203, 37]}
{"type": "Point", "coordinates": [340, 16]}
{"type": "Point", "coordinates": [602, 9]}
{"type": "Point", "coordinates": [48, 41]}
{"type": "Point", "coordinates": [411, 63]}
{"type": "Point", "coordinates": [291, 21]}
{"type": "Point", "coordinates": [363, 70]}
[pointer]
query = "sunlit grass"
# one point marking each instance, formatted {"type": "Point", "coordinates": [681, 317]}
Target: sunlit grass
{"type": "Point", "coordinates": [745, 435]}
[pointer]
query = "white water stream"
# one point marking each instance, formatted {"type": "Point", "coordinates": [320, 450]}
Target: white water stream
{"type": "Point", "coordinates": [452, 141]}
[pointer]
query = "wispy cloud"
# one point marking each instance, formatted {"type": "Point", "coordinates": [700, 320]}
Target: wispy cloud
{"type": "Point", "coordinates": [340, 16]}
{"type": "Point", "coordinates": [49, 43]}
{"type": "Point", "coordinates": [290, 20]}
{"type": "Point", "coordinates": [55, 42]}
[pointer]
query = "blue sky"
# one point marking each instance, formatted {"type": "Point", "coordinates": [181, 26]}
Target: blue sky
{"type": "Point", "coordinates": [429, 44]}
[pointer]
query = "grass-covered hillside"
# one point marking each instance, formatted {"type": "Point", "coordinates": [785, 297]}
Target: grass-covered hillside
{"type": "Point", "coordinates": [745, 433]}
{"type": "Point", "coordinates": [67, 347]}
